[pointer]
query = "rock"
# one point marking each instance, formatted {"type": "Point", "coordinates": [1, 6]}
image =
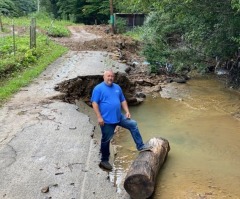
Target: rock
{"type": "Point", "coordinates": [132, 101]}
{"type": "Point", "coordinates": [45, 189]}
{"type": "Point", "coordinates": [169, 80]}
{"type": "Point", "coordinates": [144, 82]}
{"type": "Point", "coordinates": [179, 80]}
{"type": "Point", "coordinates": [140, 95]}
{"type": "Point", "coordinates": [156, 88]}
{"type": "Point", "coordinates": [134, 64]}
{"type": "Point", "coordinates": [127, 70]}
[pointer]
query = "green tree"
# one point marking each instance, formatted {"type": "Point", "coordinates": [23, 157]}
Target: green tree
{"type": "Point", "coordinates": [66, 7]}
{"type": "Point", "coordinates": [7, 7]}
{"type": "Point", "coordinates": [135, 6]}
{"type": "Point", "coordinates": [49, 6]}
{"type": "Point", "coordinates": [192, 33]}
{"type": "Point", "coordinates": [96, 10]}
{"type": "Point", "coordinates": [25, 6]}
{"type": "Point", "coordinates": [17, 7]}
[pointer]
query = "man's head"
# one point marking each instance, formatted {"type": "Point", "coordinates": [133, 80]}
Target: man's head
{"type": "Point", "coordinates": [108, 77]}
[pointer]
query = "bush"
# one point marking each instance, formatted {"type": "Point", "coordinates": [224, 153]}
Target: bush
{"type": "Point", "coordinates": [121, 25]}
{"type": "Point", "coordinates": [58, 31]}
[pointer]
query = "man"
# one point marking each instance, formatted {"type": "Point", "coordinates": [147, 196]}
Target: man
{"type": "Point", "coordinates": [107, 100]}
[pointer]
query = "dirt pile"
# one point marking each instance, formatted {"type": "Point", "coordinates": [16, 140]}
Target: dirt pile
{"type": "Point", "coordinates": [98, 38]}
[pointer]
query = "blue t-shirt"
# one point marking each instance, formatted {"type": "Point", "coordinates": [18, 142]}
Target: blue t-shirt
{"type": "Point", "coordinates": [109, 100]}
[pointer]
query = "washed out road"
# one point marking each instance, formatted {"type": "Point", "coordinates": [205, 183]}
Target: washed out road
{"type": "Point", "coordinates": [47, 147]}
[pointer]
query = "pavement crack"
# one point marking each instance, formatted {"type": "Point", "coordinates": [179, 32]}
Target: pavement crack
{"type": "Point", "coordinates": [47, 117]}
{"type": "Point", "coordinates": [70, 166]}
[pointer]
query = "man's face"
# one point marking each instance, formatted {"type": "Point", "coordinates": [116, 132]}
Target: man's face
{"type": "Point", "coordinates": [108, 77]}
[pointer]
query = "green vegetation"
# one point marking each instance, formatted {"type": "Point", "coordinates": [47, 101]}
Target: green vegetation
{"type": "Point", "coordinates": [21, 64]}
{"type": "Point", "coordinates": [136, 33]}
{"type": "Point", "coordinates": [121, 26]}
{"type": "Point", "coordinates": [191, 34]}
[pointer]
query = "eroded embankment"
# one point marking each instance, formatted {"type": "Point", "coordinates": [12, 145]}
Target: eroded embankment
{"type": "Point", "coordinates": [81, 88]}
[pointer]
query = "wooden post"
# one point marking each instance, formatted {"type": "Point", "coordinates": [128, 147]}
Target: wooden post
{"type": "Point", "coordinates": [1, 24]}
{"type": "Point", "coordinates": [33, 41]}
{"type": "Point", "coordinates": [141, 177]}
{"type": "Point", "coordinates": [111, 16]}
{"type": "Point", "coordinates": [14, 39]}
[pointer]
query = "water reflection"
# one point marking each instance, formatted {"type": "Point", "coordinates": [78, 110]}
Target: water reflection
{"type": "Point", "coordinates": [204, 136]}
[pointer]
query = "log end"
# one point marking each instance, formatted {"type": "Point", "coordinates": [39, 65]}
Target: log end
{"type": "Point", "coordinates": [139, 186]}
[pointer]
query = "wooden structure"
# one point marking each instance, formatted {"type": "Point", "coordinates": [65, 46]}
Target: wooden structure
{"type": "Point", "coordinates": [141, 177]}
{"type": "Point", "coordinates": [132, 19]}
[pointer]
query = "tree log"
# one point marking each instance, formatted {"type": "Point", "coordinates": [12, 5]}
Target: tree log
{"type": "Point", "coordinates": [141, 177]}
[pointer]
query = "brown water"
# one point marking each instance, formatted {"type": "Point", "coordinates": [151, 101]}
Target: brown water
{"type": "Point", "coordinates": [201, 123]}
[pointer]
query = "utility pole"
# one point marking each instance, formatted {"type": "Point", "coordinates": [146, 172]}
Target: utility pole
{"type": "Point", "coordinates": [111, 16]}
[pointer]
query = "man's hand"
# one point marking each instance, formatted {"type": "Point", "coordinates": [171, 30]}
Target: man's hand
{"type": "Point", "coordinates": [98, 114]}
{"type": "Point", "coordinates": [128, 115]}
{"type": "Point", "coordinates": [125, 108]}
{"type": "Point", "coordinates": [100, 121]}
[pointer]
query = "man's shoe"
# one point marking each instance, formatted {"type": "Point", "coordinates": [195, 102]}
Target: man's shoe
{"type": "Point", "coordinates": [146, 148]}
{"type": "Point", "coordinates": [105, 165]}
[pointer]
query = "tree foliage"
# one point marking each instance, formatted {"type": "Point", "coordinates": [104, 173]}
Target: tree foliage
{"type": "Point", "coordinates": [7, 7]}
{"type": "Point", "coordinates": [193, 33]}
{"type": "Point", "coordinates": [17, 7]}
{"type": "Point", "coordinates": [83, 11]}
{"type": "Point", "coordinates": [135, 6]}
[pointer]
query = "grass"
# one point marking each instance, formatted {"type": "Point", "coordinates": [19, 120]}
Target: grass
{"type": "Point", "coordinates": [23, 78]}
{"type": "Point", "coordinates": [43, 21]}
{"type": "Point", "coordinates": [28, 64]}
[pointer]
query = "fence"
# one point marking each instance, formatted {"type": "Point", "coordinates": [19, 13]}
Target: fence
{"type": "Point", "coordinates": [13, 33]}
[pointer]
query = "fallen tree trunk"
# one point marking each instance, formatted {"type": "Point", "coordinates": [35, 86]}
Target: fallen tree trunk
{"type": "Point", "coordinates": [141, 177]}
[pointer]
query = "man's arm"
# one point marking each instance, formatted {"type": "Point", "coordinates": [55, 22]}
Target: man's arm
{"type": "Point", "coordinates": [125, 108]}
{"type": "Point", "coordinates": [98, 114]}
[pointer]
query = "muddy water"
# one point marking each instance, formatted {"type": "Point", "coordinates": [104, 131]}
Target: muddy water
{"type": "Point", "coordinates": [201, 123]}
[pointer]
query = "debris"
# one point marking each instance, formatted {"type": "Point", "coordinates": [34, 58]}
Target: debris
{"type": "Point", "coordinates": [45, 189]}
{"type": "Point", "coordinates": [59, 173]}
{"type": "Point", "coordinates": [54, 185]}
{"type": "Point", "coordinates": [72, 128]}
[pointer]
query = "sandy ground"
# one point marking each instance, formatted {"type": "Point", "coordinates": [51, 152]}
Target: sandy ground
{"type": "Point", "coordinates": [50, 149]}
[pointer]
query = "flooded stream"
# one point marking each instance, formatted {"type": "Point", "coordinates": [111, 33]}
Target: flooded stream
{"type": "Point", "coordinates": [201, 122]}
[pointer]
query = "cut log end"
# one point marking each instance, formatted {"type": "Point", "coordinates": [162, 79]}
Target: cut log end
{"type": "Point", "coordinates": [140, 186]}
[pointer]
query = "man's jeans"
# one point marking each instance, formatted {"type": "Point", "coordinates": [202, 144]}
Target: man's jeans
{"type": "Point", "coordinates": [108, 132]}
